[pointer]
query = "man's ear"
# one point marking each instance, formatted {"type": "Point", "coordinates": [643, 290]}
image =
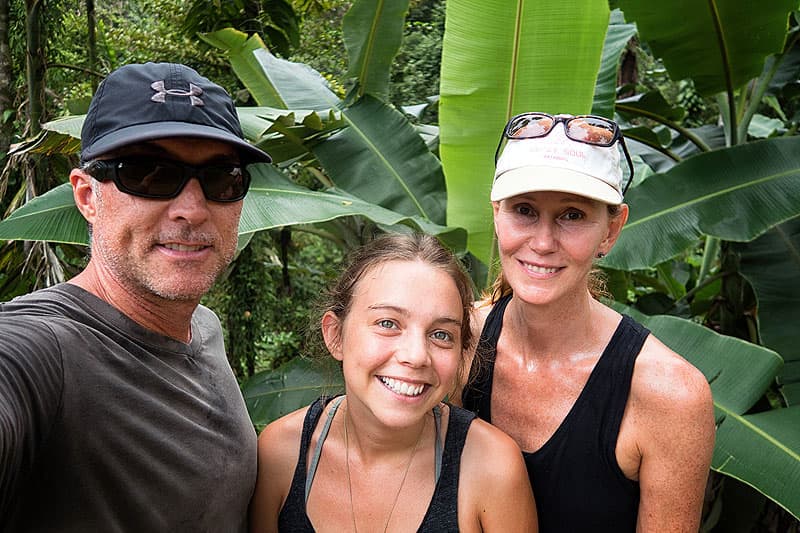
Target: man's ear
{"type": "Point", "coordinates": [615, 225]}
{"type": "Point", "coordinates": [332, 333]}
{"type": "Point", "coordinates": [84, 194]}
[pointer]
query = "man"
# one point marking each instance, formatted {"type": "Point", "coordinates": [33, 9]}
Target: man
{"type": "Point", "coordinates": [118, 410]}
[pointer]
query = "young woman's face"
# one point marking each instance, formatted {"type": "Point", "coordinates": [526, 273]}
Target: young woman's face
{"type": "Point", "coordinates": [549, 240]}
{"type": "Point", "coordinates": [400, 343]}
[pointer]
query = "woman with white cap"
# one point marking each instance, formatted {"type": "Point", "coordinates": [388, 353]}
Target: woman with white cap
{"type": "Point", "coordinates": [617, 430]}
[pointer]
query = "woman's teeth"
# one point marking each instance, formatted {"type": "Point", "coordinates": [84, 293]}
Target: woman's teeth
{"type": "Point", "coordinates": [401, 387]}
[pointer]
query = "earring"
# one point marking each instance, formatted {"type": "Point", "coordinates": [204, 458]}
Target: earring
{"type": "Point", "coordinates": [601, 255]}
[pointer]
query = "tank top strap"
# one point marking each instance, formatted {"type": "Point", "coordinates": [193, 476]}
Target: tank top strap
{"type": "Point", "coordinates": [312, 467]}
{"type": "Point", "coordinates": [442, 514]}
{"type": "Point", "coordinates": [617, 365]}
{"type": "Point", "coordinates": [476, 397]}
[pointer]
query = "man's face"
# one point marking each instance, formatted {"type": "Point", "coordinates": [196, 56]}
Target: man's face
{"type": "Point", "coordinates": [170, 248]}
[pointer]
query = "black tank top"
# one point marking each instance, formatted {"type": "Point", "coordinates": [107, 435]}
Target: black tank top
{"type": "Point", "coordinates": [576, 479]}
{"type": "Point", "coordinates": [442, 513]}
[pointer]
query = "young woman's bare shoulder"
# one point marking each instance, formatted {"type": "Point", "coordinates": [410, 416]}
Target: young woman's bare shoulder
{"type": "Point", "coordinates": [488, 451]}
{"type": "Point", "coordinates": [494, 492]}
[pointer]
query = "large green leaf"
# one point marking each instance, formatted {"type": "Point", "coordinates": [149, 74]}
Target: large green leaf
{"type": "Point", "coordinates": [275, 201]}
{"type": "Point", "coordinates": [382, 159]}
{"type": "Point", "coordinates": [771, 264]}
{"type": "Point", "coordinates": [499, 58]}
{"type": "Point", "coordinates": [272, 394]}
{"type": "Point", "coordinates": [762, 450]}
{"type": "Point", "coordinates": [60, 136]}
{"type": "Point", "coordinates": [284, 134]}
{"type": "Point", "coordinates": [735, 194]}
{"type": "Point", "coordinates": [272, 81]}
{"type": "Point", "coordinates": [739, 372]}
{"type": "Point", "coordinates": [617, 38]}
{"type": "Point", "coordinates": [372, 31]}
{"type": "Point", "coordinates": [719, 44]}
{"type": "Point", "coordinates": [49, 217]}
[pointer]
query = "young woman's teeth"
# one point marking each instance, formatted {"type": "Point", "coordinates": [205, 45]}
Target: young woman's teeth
{"type": "Point", "coordinates": [401, 387]}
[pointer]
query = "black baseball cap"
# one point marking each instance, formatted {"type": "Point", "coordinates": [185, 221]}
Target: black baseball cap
{"type": "Point", "coordinates": [144, 102]}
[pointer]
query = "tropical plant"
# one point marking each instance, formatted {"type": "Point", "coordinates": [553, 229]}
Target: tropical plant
{"type": "Point", "coordinates": [689, 248]}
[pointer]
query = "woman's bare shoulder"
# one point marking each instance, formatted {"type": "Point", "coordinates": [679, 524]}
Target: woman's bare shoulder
{"type": "Point", "coordinates": [279, 441]}
{"type": "Point", "coordinates": [664, 376]}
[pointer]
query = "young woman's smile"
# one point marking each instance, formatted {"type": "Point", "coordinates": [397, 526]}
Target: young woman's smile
{"type": "Point", "coordinates": [400, 343]}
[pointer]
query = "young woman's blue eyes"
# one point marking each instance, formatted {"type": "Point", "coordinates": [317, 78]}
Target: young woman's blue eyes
{"type": "Point", "coordinates": [386, 323]}
{"type": "Point", "coordinates": [441, 335]}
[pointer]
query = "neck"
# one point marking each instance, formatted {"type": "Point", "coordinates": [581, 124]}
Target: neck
{"type": "Point", "coordinates": [171, 318]}
{"type": "Point", "coordinates": [553, 331]}
{"type": "Point", "coordinates": [373, 441]}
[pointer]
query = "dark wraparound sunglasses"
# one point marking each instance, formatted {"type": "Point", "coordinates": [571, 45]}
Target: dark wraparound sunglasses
{"type": "Point", "coordinates": [156, 178]}
{"type": "Point", "coordinates": [587, 129]}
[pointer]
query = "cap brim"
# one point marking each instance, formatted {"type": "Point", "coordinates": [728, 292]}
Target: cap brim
{"type": "Point", "coordinates": [162, 130]}
{"type": "Point", "coordinates": [540, 178]}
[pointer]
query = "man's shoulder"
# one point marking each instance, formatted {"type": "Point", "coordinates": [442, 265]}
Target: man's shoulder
{"type": "Point", "coordinates": [50, 301]}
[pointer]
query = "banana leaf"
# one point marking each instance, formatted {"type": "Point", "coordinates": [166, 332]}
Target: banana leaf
{"type": "Point", "coordinates": [720, 45]}
{"type": "Point", "coordinates": [381, 159]}
{"type": "Point", "coordinates": [295, 384]}
{"type": "Point", "coordinates": [49, 217]}
{"type": "Point", "coordinates": [763, 449]}
{"type": "Point", "coordinates": [60, 136]}
{"type": "Point", "coordinates": [275, 201]}
{"type": "Point", "coordinates": [617, 37]}
{"type": "Point", "coordinates": [771, 264]}
{"type": "Point", "coordinates": [372, 31]}
{"type": "Point", "coordinates": [499, 58]}
{"type": "Point", "coordinates": [735, 194]}
{"type": "Point", "coordinates": [272, 81]}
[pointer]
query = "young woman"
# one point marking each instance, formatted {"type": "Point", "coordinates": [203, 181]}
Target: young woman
{"type": "Point", "coordinates": [616, 429]}
{"type": "Point", "coordinates": [390, 455]}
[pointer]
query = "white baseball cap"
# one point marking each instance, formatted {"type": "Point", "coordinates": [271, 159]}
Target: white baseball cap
{"type": "Point", "coordinates": [557, 163]}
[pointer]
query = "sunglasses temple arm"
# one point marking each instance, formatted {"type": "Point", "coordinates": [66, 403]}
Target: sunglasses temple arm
{"type": "Point", "coordinates": [497, 150]}
{"type": "Point", "coordinates": [630, 163]}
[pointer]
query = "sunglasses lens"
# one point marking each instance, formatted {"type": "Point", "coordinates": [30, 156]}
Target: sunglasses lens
{"type": "Point", "coordinates": [592, 130]}
{"type": "Point", "coordinates": [226, 183]}
{"type": "Point", "coordinates": [529, 126]}
{"type": "Point", "coordinates": [150, 178]}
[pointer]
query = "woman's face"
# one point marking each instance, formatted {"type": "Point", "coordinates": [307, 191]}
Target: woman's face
{"type": "Point", "coordinates": [548, 241]}
{"type": "Point", "coordinates": [400, 343]}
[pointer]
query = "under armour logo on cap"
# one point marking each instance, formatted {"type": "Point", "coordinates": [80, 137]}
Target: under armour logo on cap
{"type": "Point", "coordinates": [193, 93]}
{"type": "Point", "coordinates": [122, 111]}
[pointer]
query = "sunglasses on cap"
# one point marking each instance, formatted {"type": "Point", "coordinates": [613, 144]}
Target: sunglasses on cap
{"type": "Point", "coordinates": [587, 129]}
{"type": "Point", "coordinates": [154, 178]}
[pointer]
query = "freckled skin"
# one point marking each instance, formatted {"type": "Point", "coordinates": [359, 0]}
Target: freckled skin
{"type": "Point", "coordinates": [552, 336]}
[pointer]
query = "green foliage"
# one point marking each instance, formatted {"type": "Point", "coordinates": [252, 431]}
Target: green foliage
{"type": "Point", "coordinates": [415, 70]}
{"type": "Point", "coordinates": [266, 300]}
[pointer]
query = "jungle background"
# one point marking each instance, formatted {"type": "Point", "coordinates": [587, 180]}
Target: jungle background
{"type": "Point", "coordinates": [707, 95]}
